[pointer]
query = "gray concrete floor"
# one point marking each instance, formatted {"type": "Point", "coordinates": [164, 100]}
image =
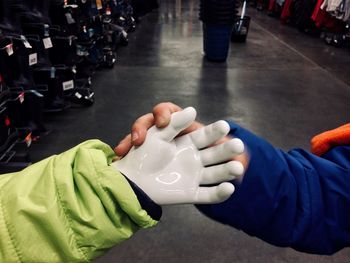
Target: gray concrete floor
{"type": "Point", "coordinates": [281, 84]}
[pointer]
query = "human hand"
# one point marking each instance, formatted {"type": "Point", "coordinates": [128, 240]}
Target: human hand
{"type": "Point", "coordinates": [173, 171]}
{"type": "Point", "coordinates": [160, 117]}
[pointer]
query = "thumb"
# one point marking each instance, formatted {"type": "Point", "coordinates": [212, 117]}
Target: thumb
{"type": "Point", "coordinates": [214, 194]}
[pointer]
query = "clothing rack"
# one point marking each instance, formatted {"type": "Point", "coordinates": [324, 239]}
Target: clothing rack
{"type": "Point", "coordinates": [328, 18]}
{"type": "Point", "coordinates": [49, 52]}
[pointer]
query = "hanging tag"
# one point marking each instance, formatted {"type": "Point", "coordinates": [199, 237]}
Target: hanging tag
{"type": "Point", "coordinates": [78, 95]}
{"type": "Point", "coordinates": [9, 49]}
{"type": "Point", "coordinates": [67, 85]}
{"type": "Point", "coordinates": [25, 42]}
{"type": "Point", "coordinates": [124, 34]}
{"type": "Point", "coordinates": [53, 72]}
{"type": "Point", "coordinates": [33, 59]}
{"type": "Point", "coordinates": [21, 97]}
{"type": "Point", "coordinates": [99, 4]}
{"type": "Point", "coordinates": [74, 69]}
{"type": "Point", "coordinates": [47, 43]}
{"type": "Point", "coordinates": [46, 30]}
{"type": "Point", "coordinates": [70, 40]}
{"type": "Point", "coordinates": [70, 19]}
{"type": "Point", "coordinates": [28, 139]}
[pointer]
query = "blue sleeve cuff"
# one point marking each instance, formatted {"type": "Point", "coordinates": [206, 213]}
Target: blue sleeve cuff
{"type": "Point", "coordinates": [293, 199]}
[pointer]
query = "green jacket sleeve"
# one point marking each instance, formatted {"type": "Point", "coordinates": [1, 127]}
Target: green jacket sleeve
{"type": "Point", "coordinates": [70, 207]}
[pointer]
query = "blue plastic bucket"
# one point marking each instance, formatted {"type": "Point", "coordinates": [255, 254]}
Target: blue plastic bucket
{"type": "Point", "coordinates": [216, 41]}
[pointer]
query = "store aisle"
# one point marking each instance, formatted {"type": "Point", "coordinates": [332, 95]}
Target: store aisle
{"type": "Point", "coordinates": [281, 84]}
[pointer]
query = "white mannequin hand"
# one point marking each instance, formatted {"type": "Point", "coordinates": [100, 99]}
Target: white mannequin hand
{"type": "Point", "coordinates": [170, 171]}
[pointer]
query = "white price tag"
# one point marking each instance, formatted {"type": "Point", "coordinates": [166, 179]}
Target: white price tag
{"type": "Point", "coordinates": [9, 49]}
{"type": "Point", "coordinates": [67, 85]}
{"type": "Point", "coordinates": [33, 59]}
{"type": "Point", "coordinates": [125, 34]}
{"type": "Point", "coordinates": [78, 95]}
{"type": "Point", "coordinates": [25, 42]}
{"type": "Point", "coordinates": [47, 43]}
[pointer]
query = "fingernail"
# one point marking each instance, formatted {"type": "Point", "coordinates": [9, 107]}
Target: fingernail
{"type": "Point", "coordinates": [134, 136]}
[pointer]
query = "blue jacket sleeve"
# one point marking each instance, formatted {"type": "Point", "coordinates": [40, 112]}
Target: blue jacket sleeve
{"type": "Point", "coordinates": [293, 199]}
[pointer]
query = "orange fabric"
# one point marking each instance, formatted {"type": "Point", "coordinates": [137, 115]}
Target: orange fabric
{"type": "Point", "coordinates": [323, 142]}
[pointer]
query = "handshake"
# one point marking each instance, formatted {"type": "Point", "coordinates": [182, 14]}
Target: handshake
{"type": "Point", "coordinates": [176, 168]}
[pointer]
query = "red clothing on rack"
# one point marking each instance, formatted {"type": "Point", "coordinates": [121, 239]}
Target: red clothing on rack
{"type": "Point", "coordinates": [272, 4]}
{"type": "Point", "coordinates": [286, 13]}
{"type": "Point", "coordinates": [324, 19]}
